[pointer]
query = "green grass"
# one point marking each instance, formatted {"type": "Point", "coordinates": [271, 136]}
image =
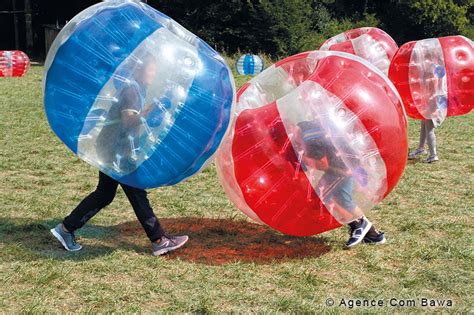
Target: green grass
{"type": "Point", "coordinates": [230, 264]}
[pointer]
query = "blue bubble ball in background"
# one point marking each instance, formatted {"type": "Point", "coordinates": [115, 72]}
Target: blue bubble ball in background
{"type": "Point", "coordinates": [249, 65]}
{"type": "Point", "coordinates": [133, 93]}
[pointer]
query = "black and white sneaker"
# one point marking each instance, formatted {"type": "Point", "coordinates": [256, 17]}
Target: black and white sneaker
{"type": "Point", "coordinates": [168, 243]}
{"type": "Point", "coordinates": [379, 239]}
{"type": "Point", "coordinates": [358, 230]}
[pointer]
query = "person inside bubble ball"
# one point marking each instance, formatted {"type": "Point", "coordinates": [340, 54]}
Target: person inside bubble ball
{"type": "Point", "coordinates": [336, 186]}
{"type": "Point", "coordinates": [435, 76]}
{"type": "Point", "coordinates": [114, 139]}
{"type": "Point", "coordinates": [118, 143]}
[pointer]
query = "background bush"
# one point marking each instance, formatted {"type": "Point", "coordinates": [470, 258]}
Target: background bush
{"type": "Point", "coordinates": [284, 27]}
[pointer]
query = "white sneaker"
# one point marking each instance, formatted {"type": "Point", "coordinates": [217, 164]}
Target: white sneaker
{"type": "Point", "coordinates": [432, 159]}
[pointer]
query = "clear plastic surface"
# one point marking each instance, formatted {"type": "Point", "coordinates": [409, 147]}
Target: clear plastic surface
{"type": "Point", "coordinates": [369, 43]}
{"type": "Point", "coordinates": [435, 77]}
{"type": "Point", "coordinates": [318, 139]}
{"type": "Point", "coordinates": [133, 93]}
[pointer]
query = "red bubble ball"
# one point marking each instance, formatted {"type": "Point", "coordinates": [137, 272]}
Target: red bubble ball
{"type": "Point", "coordinates": [318, 139]}
{"type": "Point", "coordinates": [13, 63]}
{"type": "Point", "coordinates": [435, 77]}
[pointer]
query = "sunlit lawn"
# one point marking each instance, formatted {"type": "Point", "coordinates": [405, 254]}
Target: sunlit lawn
{"type": "Point", "coordinates": [230, 264]}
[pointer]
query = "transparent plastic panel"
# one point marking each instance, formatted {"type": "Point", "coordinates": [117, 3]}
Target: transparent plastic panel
{"type": "Point", "coordinates": [428, 80]}
{"type": "Point", "coordinates": [135, 94]}
{"type": "Point", "coordinates": [318, 152]}
{"type": "Point", "coordinates": [365, 46]}
{"type": "Point", "coordinates": [173, 26]}
{"type": "Point", "coordinates": [117, 137]}
{"type": "Point", "coordinates": [334, 149]}
{"type": "Point", "coordinates": [239, 65]}
{"type": "Point", "coordinates": [278, 80]}
{"type": "Point", "coordinates": [268, 86]}
{"type": "Point", "coordinates": [469, 41]}
{"type": "Point", "coordinates": [333, 40]}
{"type": "Point", "coordinates": [258, 64]}
{"type": "Point", "coordinates": [354, 33]}
{"type": "Point", "coordinates": [369, 43]}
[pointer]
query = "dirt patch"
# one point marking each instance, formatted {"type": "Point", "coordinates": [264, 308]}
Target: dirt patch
{"type": "Point", "coordinates": [221, 241]}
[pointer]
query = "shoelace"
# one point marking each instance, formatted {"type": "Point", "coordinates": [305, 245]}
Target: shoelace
{"type": "Point", "coordinates": [170, 238]}
{"type": "Point", "coordinates": [73, 238]}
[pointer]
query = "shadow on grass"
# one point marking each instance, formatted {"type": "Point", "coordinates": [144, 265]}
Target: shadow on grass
{"type": "Point", "coordinates": [212, 241]}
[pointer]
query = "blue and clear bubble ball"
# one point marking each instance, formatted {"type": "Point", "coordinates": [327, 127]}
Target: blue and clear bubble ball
{"type": "Point", "coordinates": [136, 95]}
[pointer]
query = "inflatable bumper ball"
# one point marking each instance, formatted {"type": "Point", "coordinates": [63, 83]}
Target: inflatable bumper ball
{"type": "Point", "coordinates": [435, 77]}
{"type": "Point", "coordinates": [249, 65]}
{"type": "Point", "coordinates": [369, 43]}
{"type": "Point", "coordinates": [13, 63]}
{"type": "Point", "coordinates": [136, 95]}
{"type": "Point", "coordinates": [318, 139]}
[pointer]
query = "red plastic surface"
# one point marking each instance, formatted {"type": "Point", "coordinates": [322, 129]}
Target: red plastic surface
{"type": "Point", "coordinates": [458, 56]}
{"type": "Point", "coordinates": [13, 63]}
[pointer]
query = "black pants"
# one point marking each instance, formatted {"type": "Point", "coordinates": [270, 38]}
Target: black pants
{"type": "Point", "coordinates": [104, 195]}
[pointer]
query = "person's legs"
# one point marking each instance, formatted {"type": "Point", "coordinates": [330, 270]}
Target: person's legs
{"type": "Point", "coordinates": [361, 229]}
{"type": "Point", "coordinates": [421, 146]}
{"type": "Point", "coordinates": [327, 189]}
{"type": "Point", "coordinates": [375, 237]}
{"type": "Point", "coordinates": [92, 204]}
{"type": "Point", "coordinates": [431, 139]}
{"type": "Point", "coordinates": [422, 143]}
{"type": "Point", "coordinates": [338, 190]}
{"type": "Point", "coordinates": [87, 208]}
{"type": "Point", "coordinates": [161, 242]}
{"type": "Point", "coordinates": [343, 196]}
{"type": "Point", "coordinates": [141, 205]}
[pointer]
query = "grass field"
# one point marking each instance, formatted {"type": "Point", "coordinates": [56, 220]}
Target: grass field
{"type": "Point", "coordinates": [230, 264]}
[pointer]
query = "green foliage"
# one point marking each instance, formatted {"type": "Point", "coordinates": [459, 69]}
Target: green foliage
{"type": "Point", "coordinates": [282, 27]}
{"type": "Point", "coordinates": [277, 27]}
{"type": "Point", "coordinates": [411, 20]}
{"type": "Point", "coordinates": [335, 26]}
{"type": "Point", "coordinates": [469, 32]}
{"type": "Point", "coordinates": [290, 24]}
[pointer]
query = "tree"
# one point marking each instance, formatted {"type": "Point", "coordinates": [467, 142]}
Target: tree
{"type": "Point", "coordinates": [411, 20]}
{"type": "Point", "coordinates": [284, 27]}
{"type": "Point", "coordinates": [276, 27]}
{"type": "Point", "coordinates": [290, 24]}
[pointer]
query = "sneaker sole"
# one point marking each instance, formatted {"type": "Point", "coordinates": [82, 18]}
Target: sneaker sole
{"type": "Point", "coordinates": [376, 243]}
{"type": "Point", "coordinates": [364, 232]}
{"type": "Point", "coordinates": [61, 239]}
{"type": "Point", "coordinates": [169, 249]}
